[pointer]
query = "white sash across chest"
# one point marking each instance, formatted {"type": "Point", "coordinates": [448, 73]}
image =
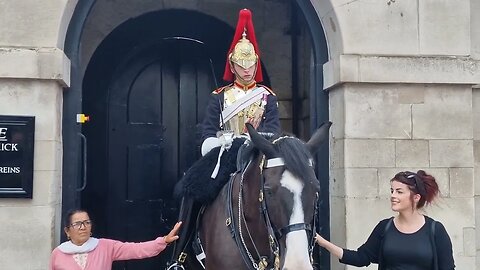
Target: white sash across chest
{"type": "Point", "coordinates": [242, 103]}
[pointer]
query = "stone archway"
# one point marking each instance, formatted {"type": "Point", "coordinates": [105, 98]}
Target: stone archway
{"type": "Point", "coordinates": [309, 78]}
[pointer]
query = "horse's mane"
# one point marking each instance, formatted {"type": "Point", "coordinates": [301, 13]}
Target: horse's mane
{"type": "Point", "coordinates": [295, 154]}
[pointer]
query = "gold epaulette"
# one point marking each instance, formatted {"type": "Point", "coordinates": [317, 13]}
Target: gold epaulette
{"type": "Point", "coordinates": [221, 89]}
{"type": "Point", "coordinates": [268, 89]}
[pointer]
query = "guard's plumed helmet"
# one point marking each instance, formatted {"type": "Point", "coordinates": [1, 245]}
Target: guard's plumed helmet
{"type": "Point", "coordinates": [244, 49]}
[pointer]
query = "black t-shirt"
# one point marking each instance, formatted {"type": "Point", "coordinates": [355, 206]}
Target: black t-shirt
{"type": "Point", "coordinates": [408, 251]}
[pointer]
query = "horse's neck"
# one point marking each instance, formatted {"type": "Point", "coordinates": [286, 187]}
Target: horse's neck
{"type": "Point", "coordinates": [252, 179]}
{"type": "Point", "coordinates": [251, 189]}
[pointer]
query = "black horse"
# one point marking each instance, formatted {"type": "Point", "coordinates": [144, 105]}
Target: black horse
{"type": "Point", "coordinates": [264, 217]}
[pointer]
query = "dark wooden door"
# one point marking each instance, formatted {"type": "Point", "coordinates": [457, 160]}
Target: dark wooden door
{"type": "Point", "coordinates": [155, 102]}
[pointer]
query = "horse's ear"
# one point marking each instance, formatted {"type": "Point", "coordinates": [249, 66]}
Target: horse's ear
{"type": "Point", "coordinates": [261, 143]}
{"type": "Point", "coordinates": [319, 137]}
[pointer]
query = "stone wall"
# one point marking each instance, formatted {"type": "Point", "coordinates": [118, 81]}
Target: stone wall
{"type": "Point", "coordinates": [387, 128]}
{"type": "Point", "coordinates": [401, 98]}
{"type": "Point", "coordinates": [33, 72]}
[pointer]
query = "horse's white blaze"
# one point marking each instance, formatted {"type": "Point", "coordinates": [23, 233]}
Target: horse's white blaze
{"type": "Point", "coordinates": [296, 256]}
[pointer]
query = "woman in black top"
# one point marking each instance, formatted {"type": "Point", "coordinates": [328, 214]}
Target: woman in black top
{"type": "Point", "coordinates": [408, 241]}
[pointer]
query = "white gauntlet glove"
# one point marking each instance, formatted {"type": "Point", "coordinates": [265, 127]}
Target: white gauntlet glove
{"type": "Point", "coordinates": [208, 144]}
{"type": "Point", "coordinates": [225, 140]}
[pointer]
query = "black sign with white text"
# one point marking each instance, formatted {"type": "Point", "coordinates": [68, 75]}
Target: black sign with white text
{"type": "Point", "coordinates": [16, 156]}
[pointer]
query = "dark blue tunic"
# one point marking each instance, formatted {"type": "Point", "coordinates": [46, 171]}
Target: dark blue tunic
{"type": "Point", "coordinates": [211, 122]}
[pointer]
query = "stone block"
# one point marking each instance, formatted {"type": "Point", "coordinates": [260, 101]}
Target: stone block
{"type": "Point", "coordinates": [337, 226]}
{"type": "Point", "coordinates": [477, 221]}
{"type": "Point", "coordinates": [449, 106]}
{"type": "Point", "coordinates": [451, 153]}
{"type": "Point", "coordinates": [369, 153]}
{"type": "Point", "coordinates": [35, 63]}
{"type": "Point", "coordinates": [42, 99]}
{"type": "Point", "coordinates": [46, 191]}
{"type": "Point", "coordinates": [47, 156]}
{"type": "Point", "coordinates": [442, 177]}
{"type": "Point", "coordinates": [401, 69]}
{"type": "Point", "coordinates": [455, 214]}
{"type": "Point", "coordinates": [392, 27]}
{"type": "Point", "coordinates": [365, 112]}
{"type": "Point", "coordinates": [476, 179]}
{"type": "Point", "coordinates": [337, 153]}
{"type": "Point", "coordinates": [469, 247]}
{"type": "Point", "coordinates": [475, 42]}
{"type": "Point", "coordinates": [411, 153]}
{"type": "Point", "coordinates": [461, 182]}
{"type": "Point", "coordinates": [336, 108]}
{"type": "Point", "coordinates": [464, 262]}
{"type": "Point", "coordinates": [362, 215]}
{"type": "Point", "coordinates": [30, 23]}
{"type": "Point", "coordinates": [337, 182]}
{"type": "Point", "coordinates": [361, 183]}
{"type": "Point", "coordinates": [476, 112]}
{"type": "Point", "coordinates": [444, 27]}
{"type": "Point", "coordinates": [476, 154]}
{"type": "Point", "coordinates": [21, 250]}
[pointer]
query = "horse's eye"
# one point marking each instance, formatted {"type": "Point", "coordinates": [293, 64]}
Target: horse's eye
{"type": "Point", "coordinates": [268, 190]}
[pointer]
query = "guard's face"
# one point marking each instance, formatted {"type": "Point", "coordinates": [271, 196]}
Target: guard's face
{"type": "Point", "coordinates": [245, 75]}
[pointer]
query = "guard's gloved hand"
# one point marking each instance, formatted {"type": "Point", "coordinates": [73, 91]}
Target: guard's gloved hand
{"type": "Point", "coordinates": [225, 139]}
{"type": "Point", "coordinates": [208, 144]}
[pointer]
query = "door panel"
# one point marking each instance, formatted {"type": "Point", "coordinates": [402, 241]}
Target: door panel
{"type": "Point", "coordinates": [155, 104]}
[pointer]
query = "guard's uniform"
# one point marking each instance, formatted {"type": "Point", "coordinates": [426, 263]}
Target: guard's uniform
{"type": "Point", "coordinates": [263, 111]}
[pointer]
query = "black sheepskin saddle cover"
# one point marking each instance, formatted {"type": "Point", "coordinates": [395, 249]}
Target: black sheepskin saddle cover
{"type": "Point", "coordinates": [197, 183]}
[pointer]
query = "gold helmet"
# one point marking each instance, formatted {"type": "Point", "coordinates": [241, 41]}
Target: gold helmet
{"type": "Point", "coordinates": [244, 53]}
{"type": "Point", "coordinates": [243, 50]}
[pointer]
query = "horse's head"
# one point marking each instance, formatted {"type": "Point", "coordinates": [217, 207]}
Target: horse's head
{"type": "Point", "coordinates": [290, 193]}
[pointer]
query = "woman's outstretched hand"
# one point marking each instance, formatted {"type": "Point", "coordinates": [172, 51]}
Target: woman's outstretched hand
{"type": "Point", "coordinates": [332, 248]}
{"type": "Point", "coordinates": [319, 240]}
{"type": "Point", "coordinates": [172, 236]}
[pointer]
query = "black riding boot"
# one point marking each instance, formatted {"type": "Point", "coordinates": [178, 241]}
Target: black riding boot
{"type": "Point", "coordinates": [180, 246]}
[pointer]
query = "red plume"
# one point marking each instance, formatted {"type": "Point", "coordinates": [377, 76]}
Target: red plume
{"type": "Point", "coordinates": [244, 22]}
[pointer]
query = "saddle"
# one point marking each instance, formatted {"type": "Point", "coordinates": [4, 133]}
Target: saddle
{"type": "Point", "coordinates": [197, 182]}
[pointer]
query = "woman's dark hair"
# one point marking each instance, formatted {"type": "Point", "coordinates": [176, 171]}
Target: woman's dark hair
{"type": "Point", "coordinates": [68, 217]}
{"type": "Point", "coordinates": [419, 183]}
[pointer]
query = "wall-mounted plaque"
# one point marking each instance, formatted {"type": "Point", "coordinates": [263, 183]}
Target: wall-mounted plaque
{"type": "Point", "coordinates": [16, 156]}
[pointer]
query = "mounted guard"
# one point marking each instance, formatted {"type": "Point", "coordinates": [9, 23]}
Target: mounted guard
{"type": "Point", "coordinates": [242, 101]}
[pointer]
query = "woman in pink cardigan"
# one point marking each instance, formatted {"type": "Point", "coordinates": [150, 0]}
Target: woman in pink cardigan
{"type": "Point", "coordinates": [84, 252]}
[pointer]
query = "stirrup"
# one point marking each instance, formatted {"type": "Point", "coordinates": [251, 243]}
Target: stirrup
{"type": "Point", "coordinates": [176, 266]}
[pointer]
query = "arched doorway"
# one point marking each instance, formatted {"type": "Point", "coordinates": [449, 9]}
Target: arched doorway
{"type": "Point", "coordinates": [137, 72]}
{"type": "Point", "coordinates": [146, 93]}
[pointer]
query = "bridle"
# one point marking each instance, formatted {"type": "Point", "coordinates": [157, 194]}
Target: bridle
{"type": "Point", "coordinates": [274, 235]}
{"type": "Point", "coordinates": [278, 234]}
